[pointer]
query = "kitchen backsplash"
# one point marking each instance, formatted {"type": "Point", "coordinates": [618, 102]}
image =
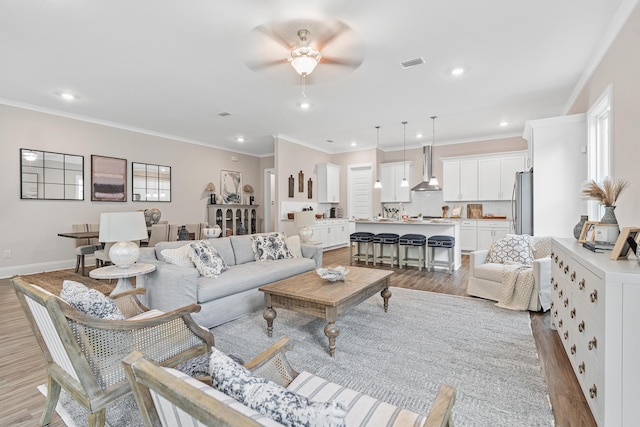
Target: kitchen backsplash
{"type": "Point", "coordinates": [429, 203]}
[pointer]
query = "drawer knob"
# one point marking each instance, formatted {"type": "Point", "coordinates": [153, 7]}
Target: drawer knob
{"type": "Point", "coordinates": [552, 254]}
{"type": "Point", "coordinates": [581, 326]}
{"type": "Point", "coordinates": [560, 294]}
{"type": "Point", "coordinates": [566, 302]}
{"type": "Point", "coordinates": [555, 313]}
{"type": "Point", "coordinates": [573, 313]}
{"type": "Point", "coordinates": [552, 304]}
{"type": "Point", "coordinates": [555, 259]}
{"type": "Point", "coordinates": [566, 335]}
{"type": "Point", "coordinates": [560, 323]}
{"type": "Point", "coordinates": [573, 349]}
{"type": "Point", "coordinates": [581, 368]}
{"type": "Point", "coordinates": [593, 343]}
{"type": "Point", "coordinates": [593, 391]}
{"type": "Point", "coordinates": [594, 295]}
{"type": "Point", "coordinates": [566, 269]}
{"type": "Point", "coordinates": [561, 264]}
{"type": "Point", "coordinates": [553, 281]}
{"type": "Point", "coordinates": [573, 276]}
{"type": "Point", "coordinates": [581, 284]}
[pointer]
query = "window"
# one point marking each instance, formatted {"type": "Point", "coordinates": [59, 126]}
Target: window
{"type": "Point", "coordinates": [599, 122]}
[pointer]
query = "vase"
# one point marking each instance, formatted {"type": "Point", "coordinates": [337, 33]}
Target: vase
{"type": "Point", "coordinates": [183, 233]}
{"type": "Point", "coordinates": [577, 230]}
{"type": "Point", "coordinates": [609, 216]}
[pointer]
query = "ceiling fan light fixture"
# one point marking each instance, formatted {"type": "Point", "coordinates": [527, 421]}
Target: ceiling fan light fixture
{"type": "Point", "coordinates": [305, 59]}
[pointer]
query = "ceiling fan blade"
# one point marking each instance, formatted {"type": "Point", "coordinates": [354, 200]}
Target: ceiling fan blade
{"type": "Point", "coordinates": [337, 61]}
{"type": "Point", "coordinates": [273, 34]}
{"type": "Point", "coordinates": [338, 29]}
{"type": "Point", "coordinates": [266, 64]}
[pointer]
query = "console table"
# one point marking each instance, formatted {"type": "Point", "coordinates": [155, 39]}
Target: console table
{"type": "Point", "coordinates": [595, 310]}
{"type": "Point", "coordinates": [231, 217]}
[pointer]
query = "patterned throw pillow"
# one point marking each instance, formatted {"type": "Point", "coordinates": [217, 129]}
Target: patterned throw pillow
{"type": "Point", "coordinates": [207, 260]}
{"type": "Point", "coordinates": [512, 248]}
{"type": "Point", "coordinates": [90, 301]}
{"type": "Point", "coordinates": [270, 247]}
{"type": "Point", "coordinates": [269, 399]}
{"type": "Point", "coordinates": [178, 256]}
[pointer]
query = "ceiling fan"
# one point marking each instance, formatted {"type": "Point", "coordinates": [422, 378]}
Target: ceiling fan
{"type": "Point", "coordinates": [307, 44]}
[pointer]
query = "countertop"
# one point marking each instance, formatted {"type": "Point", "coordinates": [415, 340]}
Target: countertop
{"type": "Point", "coordinates": [434, 221]}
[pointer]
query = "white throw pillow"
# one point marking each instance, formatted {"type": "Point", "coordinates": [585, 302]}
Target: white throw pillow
{"type": "Point", "coordinates": [178, 256]}
{"type": "Point", "coordinates": [271, 246]}
{"type": "Point", "coordinates": [270, 399]}
{"type": "Point", "coordinates": [207, 260]}
{"type": "Point", "coordinates": [90, 301]}
{"type": "Point", "coordinates": [293, 243]}
{"type": "Point", "coordinates": [512, 248]}
{"type": "Point", "coordinates": [541, 247]}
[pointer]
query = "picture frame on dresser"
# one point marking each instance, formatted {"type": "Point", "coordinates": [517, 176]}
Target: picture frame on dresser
{"type": "Point", "coordinates": [623, 245]}
{"type": "Point", "coordinates": [588, 231]}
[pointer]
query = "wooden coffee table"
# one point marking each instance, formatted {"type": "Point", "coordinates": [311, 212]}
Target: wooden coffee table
{"type": "Point", "coordinates": [308, 294]}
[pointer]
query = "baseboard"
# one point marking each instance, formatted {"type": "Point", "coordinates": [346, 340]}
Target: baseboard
{"type": "Point", "coordinates": [17, 270]}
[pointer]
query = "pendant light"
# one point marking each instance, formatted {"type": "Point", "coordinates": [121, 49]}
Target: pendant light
{"type": "Point", "coordinates": [378, 184]}
{"type": "Point", "coordinates": [433, 181]}
{"type": "Point", "coordinates": [404, 182]}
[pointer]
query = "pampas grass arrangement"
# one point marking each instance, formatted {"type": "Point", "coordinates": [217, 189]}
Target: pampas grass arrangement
{"type": "Point", "coordinates": [606, 192]}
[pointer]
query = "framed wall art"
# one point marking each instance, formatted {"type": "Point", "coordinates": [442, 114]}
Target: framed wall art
{"type": "Point", "coordinates": [231, 187]}
{"type": "Point", "coordinates": [627, 241]}
{"type": "Point", "coordinates": [108, 179]}
{"type": "Point", "coordinates": [588, 231]}
{"type": "Point", "coordinates": [46, 175]}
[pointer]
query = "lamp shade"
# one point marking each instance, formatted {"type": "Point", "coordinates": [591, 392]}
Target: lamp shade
{"type": "Point", "coordinates": [304, 219]}
{"type": "Point", "coordinates": [122, 227]}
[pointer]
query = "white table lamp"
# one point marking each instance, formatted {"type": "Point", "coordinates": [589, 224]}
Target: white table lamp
{"type": "Point", "coordinates": [303, 220]}
{"type": "Point", "coordinates": [123, 227]}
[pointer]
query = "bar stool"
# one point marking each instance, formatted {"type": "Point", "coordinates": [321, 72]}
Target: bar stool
{"type": "Point", "coordinates": [386, 239]}
{"type": "Point", "coordinates": [359, 238]}
{"type": "Point", "coordinates": [420, 243]}
{"type": "Point", "coordinates": [445, 242]}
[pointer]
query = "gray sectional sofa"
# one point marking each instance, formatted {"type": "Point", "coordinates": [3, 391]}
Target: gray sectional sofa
{"type": "Point", "coordinates": [228, 296]}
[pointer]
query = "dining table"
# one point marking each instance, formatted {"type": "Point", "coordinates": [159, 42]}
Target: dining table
{"type": "Point", "coordinates": [80, 234]}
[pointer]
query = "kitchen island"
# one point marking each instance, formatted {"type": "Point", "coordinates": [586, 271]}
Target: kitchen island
{"type": "Point", "coordinates": [426, 227]}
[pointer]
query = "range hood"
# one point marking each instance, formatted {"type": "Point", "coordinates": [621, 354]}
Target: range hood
{"type": "Point", "coordinates": [427, 183]}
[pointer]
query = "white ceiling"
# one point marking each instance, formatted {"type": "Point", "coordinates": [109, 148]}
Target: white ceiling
{"type": "Point", "coordinates": [169, 67]}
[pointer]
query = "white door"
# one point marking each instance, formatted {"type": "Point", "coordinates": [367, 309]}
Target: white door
{"type": "Point", "coordinates": [270, 213]}
{"type": "Point", "coordinates": [360, 191]}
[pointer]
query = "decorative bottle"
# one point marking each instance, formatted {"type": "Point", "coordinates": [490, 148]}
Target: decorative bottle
{"type": "Point", "coordinates": [577, 230]}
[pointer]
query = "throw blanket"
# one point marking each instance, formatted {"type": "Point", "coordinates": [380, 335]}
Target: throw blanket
{"type": "Point", "coordinates": [517, 286]}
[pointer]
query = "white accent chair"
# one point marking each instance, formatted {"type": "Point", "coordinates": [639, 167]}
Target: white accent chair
{"type": "Point", "coordinates": [485, 279]}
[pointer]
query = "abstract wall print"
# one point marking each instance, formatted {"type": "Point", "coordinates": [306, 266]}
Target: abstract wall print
{"type": "Point", "coordinates": [231, 187]}
{"type": "Point", "coordinates": [108, 179]}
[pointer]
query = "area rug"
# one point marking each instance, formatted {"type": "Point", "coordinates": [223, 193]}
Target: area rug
{"type": "Point", "coordinates": [403, 356]}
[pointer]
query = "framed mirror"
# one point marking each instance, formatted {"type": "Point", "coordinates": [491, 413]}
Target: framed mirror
{"type": "Point", "coordinates": [46, 175]}
{"type": "Point", "coordinates": [150, 183]}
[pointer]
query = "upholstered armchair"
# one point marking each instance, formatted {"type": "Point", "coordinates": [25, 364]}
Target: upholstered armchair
{"type": "Point", "coordinates": [83, 353]}
{"type": "Point", "coordinates": [486, 276]}
{"type": "Point", "coordinates": [169, 398]}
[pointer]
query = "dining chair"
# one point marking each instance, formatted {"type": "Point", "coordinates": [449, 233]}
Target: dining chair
{"type": "Point", "coordinates": [85, 246]}
{"type": "Point", "coordinates": [83, 352]}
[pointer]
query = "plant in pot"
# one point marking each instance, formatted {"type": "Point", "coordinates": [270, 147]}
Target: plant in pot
{"type": "Point", "coordinates": [606, 193]}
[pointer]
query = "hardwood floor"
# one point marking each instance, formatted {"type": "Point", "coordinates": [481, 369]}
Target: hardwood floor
{"type": "Point", "coordinates": [22, 366]}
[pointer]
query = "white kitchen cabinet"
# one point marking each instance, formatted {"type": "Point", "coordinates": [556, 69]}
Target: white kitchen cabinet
{"type": "Point", "coordinates": [496, 176]}
{"type": "Point", "coordinates": [328, 183]}
{"type": "Point", "coordinates": [391, 175]}
{"type": "Point", "coordinates": [468, 235]}
{"type": "Point", "coordinates": [490, 231]}
{"type": "Point", "coordinates": [332, 233]}
{"type": "Point", "coordinates": [460, 180]}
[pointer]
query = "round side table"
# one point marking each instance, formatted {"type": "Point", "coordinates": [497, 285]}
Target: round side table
{"type": "Point", "coordinates": [122, 274]}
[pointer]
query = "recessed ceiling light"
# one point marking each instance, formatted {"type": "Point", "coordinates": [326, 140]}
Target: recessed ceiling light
{"type": "Point", "coordinates": [457, 71]}
{"type": "Point", "coordinates": [503, 124]}
{"type": "Point", "coordinates": [419, 135]}
{"type": "Point", "coordinates": [240, 139]}
{"type": "Point", "coordinates": [353, 144]}
{"type": "Point", "coordinates": [67, 96]}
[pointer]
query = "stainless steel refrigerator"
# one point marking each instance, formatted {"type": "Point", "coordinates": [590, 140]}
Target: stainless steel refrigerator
{"type": "Point", "coordinates": [522, 203]}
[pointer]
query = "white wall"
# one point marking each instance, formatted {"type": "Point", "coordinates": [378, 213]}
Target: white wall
{"type": "Point", "coordinates": [30, 227]}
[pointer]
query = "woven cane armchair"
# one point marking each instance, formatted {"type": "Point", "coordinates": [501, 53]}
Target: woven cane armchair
{"type": "Point", "coordinates": [168, 398]}
{"type": "Point", "coordinates": [84, 353]}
